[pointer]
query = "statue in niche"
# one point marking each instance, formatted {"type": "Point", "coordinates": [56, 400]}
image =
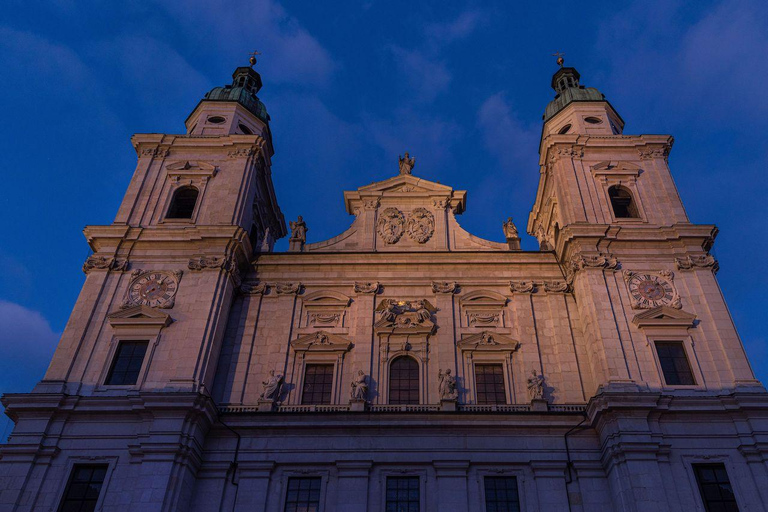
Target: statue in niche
{"type": "Point", "coordinates": [536, 386]}
{"type": "Point", "coordinates": [407, 163]}
{"type": "Point", "coordinates": [272, 386]}
{"type": "Point", "coordinates": [510, 230]}
{"type": "Point", "coordinates": [359, 386]}
{"type": "Point", "coordinates": [447, 386]}
{"type": "Point", "coordinates": [299, 230]}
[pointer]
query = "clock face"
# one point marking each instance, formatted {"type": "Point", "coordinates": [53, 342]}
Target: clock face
{"type": "Point", "coordinates": [650, 291]}
{"type": "Point", "coordinates": [154, 289]}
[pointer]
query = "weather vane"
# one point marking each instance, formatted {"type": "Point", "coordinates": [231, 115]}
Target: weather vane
{"type": "Point", "coordinates": [252, 60]}
{"type": "Point", "coordinates": [560, 59]}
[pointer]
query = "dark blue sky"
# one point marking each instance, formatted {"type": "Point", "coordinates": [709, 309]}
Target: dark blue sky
{"type": "Point", "coordinates": [462, 86]}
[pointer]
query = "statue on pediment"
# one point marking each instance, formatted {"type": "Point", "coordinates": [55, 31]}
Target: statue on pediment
{"type": "Point", "coordinates": [510, 230]}
{"type": "Point", "coordinates": [299, 230]}
{"type": "Point", "coordinates": [406, 163]}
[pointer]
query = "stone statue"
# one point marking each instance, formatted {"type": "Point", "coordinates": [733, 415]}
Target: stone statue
{"type": "Point", "coordinates": [422, 313]}
{"type": "Point", "coordinates": [536, 386]}
{"type": "Point", "coordinates": [390, 312]}
{"type": "Point", "coordinates": [272, 386]}
{"type": "Point", "coordinates": [299, 230]}
{"type": "Point", "coordinates": [447, 387]}
{"type": "Point", "coordinates": [359, 387]}
{"type": "Point", "coordinates": [406, 164]}
{"type": "Point", "coordinates": [510, 230]}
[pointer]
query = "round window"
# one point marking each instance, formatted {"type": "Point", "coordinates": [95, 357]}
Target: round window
{"type": "Point", "coordinates": [593, 120]}
{"type": "Point", "coordinates": [564, 129]}
{"type": "Point", "coordinates": [244, 129]}
{"type": "Point", "coordinates": [216, 119]}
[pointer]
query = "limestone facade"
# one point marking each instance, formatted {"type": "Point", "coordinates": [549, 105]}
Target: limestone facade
{"type": "Point", "coordinates": [222, 412]}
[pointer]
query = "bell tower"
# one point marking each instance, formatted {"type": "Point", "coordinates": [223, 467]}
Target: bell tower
{"type": "Point", "coordinates": [609, 210]}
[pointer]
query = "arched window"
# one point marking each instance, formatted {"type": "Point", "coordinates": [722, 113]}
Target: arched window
{"type": "Point", "coordinates": [183, 203]}
{"type": "Point", "coordinates": [621, 201]}
{"type": "Point", "coordinates": [404, 381]}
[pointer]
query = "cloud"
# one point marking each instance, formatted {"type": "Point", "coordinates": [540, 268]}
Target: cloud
{"type": "Point", "coordinates": [27, 342]}
{"type": "Point", "coordinates": [504, 135]}
{"type": "Point", "coordinates": [422, 68]}
{"type": "Point", "coordinates": [233, 29]}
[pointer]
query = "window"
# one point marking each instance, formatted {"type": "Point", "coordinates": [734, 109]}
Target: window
{"type": "Point", "coordinates": [402, 494]}
{"type": "Point", "coordinates": [244, 129]}
{"type": "Point", "coordinates": [84, 487]}
{"type": "Point", "coordinates": [404, 381]}
{"type": "Point", "coordinates": [674, 363]}
{"type": "Point", "coordinates": [318, 384]}
{"type": "Point", "coordinates": [303, 495]}
{"type": "Point", "coordinates": [501, 494]}
{"type": "Point", "coordinates": [622, 203]}
{"type": "Point", "coordinates": [216, 119]}
{"type": "Point", "coordinates": [564, 129]}
{"type": "Point", "coordinates": [183, 203]}
{"type": "Point", "coordinates": [127, 364]}
{"type": "Point", "coordinates": [716, 491]}
{"type": "Point", "coordinates": [489, 379]}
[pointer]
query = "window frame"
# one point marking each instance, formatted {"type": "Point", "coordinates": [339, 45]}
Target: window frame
{"type": "Point", "coordinates": [174, 193]}
{"type": "Point", "coordinates": [179, 174]}
{"type": "Point", "coordinates": [620, 174]}
{"type": "Point", "coordinates": [113, 362]}
{"type": "Point", "coordinates": [690, 354]}
{"type": "Point", "coordinates": [419, 379]}
{"type": "Point", "coordinates": [285, 475]}
{"type": "Point", "coordinates": [484, 478]}
{"type": "Point", "coordinates": [421, 474]}
{"type": "Point", "coordinates": [518, 473]}
{"type": "Point", "coordinates": [733, 475]}
{"type": "Point", "coordinates": [504, 377]}
{"type": "Point", "coordinates": [152, 337]}
{"type": "Point", "coordinates": [702, 499]}
{"type": "Point", "coordinates": [303, 477]}
{"type": "Point", "coordinates": [66, 477]}
{"type": "Point", "coordinates": [502, 353]}
{"type": "Point", "coordinates": [333, 383]}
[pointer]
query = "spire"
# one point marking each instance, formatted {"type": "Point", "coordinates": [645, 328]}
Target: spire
{"type": "Point", "coordinates": [565, 82]}
{"type": "Point", "coordinates": [246, 84]}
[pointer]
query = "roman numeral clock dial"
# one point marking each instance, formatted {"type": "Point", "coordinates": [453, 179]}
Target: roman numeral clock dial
{"type": "Point", "coordinates": [651, 290]}
{"type": "Point", "coordinates": [156, 289]}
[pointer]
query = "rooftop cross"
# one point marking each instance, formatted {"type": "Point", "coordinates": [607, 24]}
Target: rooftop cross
{"type": "Point", "coordinates": [560, 59]}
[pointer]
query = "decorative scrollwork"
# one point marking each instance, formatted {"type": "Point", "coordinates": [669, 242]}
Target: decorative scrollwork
{"type": "Point", "coordinates": [391, 225]}
{"type": "Point", "coordinates": [421, 225]}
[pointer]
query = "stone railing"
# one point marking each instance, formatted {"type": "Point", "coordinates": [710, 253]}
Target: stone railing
{"type": "Point", "coordinates": [477, 408]}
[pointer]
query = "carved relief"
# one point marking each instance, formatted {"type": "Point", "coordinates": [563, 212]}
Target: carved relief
{"type": "Point", "coordinates": [421, 225]}
{"type": "Point", "coordinates": [324, 319]}
{"type": "Point", "coordinates": [652, 289]}
{"type": "Point", "coordinates": [606, 261]}
{"type": "Point", "coordinates": [253, 288]}
{"type": "Point", "coordinates": [444, 286]}
{"type": "Point", "coordinates": [371, 204]}
{"type": "Point", "coordinates": [288, 288]}
{"type": "Point", "coordinates": [556, 286]}
{"type": "Point", "coordinates": [104, 263]}
{"type": "Point", "coordinates": [156, 151]}
{"type": "Point", "coordinates": [522, 286]}
{"type": "Point", "coordinates": [242, 152]}
{"type": "Point", "coordinates": [366, 287]}
{"type": "Point", "coordinates": [691, 262]}
{"type": "Point", "coordinates": [208, 262]}
{"type": "Point", "coordinates": [154, 288]}
{"type": "Point", "coordinates": [440, 204]}
{"type": "Point", "coordinates": [398, 316]}
{"type": "Point", "coordinates": [483, 308]}
{"type": "Point", "coordinates": [478, 319]}
{"type": "Point", "coordinates": [657, 152]}
{"type": "Point", "coordinates": [391, 225]}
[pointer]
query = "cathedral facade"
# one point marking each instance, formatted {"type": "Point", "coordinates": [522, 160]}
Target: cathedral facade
{"type": "Point", "coordinates": [405, 364]}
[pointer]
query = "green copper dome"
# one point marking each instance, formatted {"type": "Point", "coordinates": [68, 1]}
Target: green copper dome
{"type": "Point", "coordinates": [566, 84]}
{"type": "Point", "coordinates": [245, 84]}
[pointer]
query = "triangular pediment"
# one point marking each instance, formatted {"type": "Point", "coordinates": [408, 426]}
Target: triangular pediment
{"type": "Point", "coordinates": [186, 165]}
{"type": "Point", "coordinates": [488, 341]}
{"type": "Point", "coordinates": [405, 187]}
{"type": "Point", "coordinates": [139, 316]}
{"type": "Point", "coordinates": [321, 341]}
{"type": "Point", "coordinates": [664, 316]}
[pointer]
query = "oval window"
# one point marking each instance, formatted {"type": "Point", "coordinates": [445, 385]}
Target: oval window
{"type": "Point", "coordinates": [593, 120]}
{"type": "Point", "coordinates": [244, 129]}
{"type": "Point", "coordinates": [216, 119]}
{"type": "Point", "coordinates": [564, 129]}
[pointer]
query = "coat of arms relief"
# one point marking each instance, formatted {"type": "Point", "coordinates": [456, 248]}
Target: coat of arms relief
{"type": "Point", "coordinates": [392, 224]}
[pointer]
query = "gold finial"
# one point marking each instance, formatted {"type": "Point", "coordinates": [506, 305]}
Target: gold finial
{"type": "Point", "coordinates": [560, 59]}
{"type": "Point", "coordinates": [252, 60]}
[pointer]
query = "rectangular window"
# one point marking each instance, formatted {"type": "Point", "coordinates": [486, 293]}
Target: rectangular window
{"type": "Point", "coordinates": [716, 491]}
{"type": "Point", "coordinates": [318, 384]}
{"type": "Point", "coordinates": [84, 487]}
{"type": "Point", "coordinates": [303, 495]}
{"type": "Point", "coordinates": [501, 494]}
{"type": "Point", "coordinates": [403, 494]}
{"type": "Point", "coordinates": [674, 363]}
{"type": "Point", "coordinates": [127, 364]}
{"type": "Point", "coordinates": [489, 379]}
